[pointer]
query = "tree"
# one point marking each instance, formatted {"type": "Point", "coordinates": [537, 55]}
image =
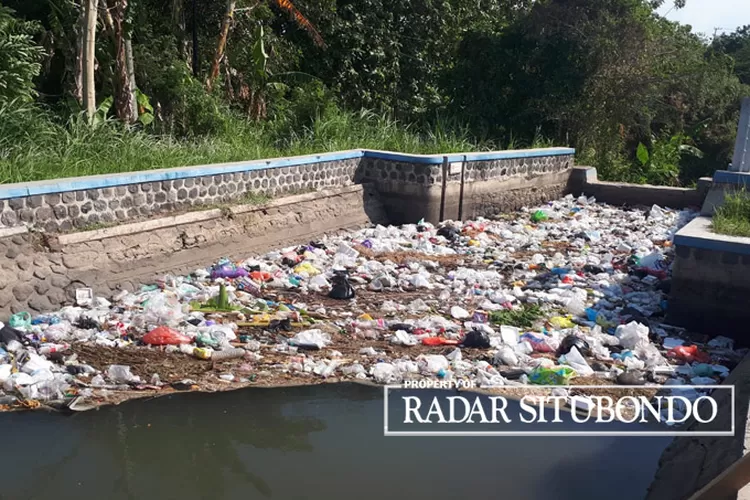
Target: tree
{"type": "Point", "coordinates": [91, 9]}
{"type": "Point", "coordinates": [228, 19]}
{"type": "Point", "coordinates": [736, 45]}
{"type": "Point", "coordinates": [115, 14]}
{"type": "Point", "coordinates": [19, 58]}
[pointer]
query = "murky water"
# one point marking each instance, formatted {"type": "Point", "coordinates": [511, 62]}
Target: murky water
{"type": "Point", "coordinates": [323, 442]}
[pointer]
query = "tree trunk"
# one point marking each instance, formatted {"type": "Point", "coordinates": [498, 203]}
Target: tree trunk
{"type": "Point", "coordinates": [89, 57]}
{"type": "Point", "coordinates": [80, 32]}
{"type": "Point", "coordinates": [131, 75]}
{"type": "Point", "coordinates": [219, 54]}
{"type": "Point", "coordinates": [124, 93]}
{"type": "Point", "coordinates": [178, 21]}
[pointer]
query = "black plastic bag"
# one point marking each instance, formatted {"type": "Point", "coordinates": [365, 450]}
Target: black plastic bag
{"type": "Point", "coordinates": [574, 341]}
{"type": "Point", "coordinates": [450, 233]}
{"type": "Point", "coordinates": [476, 338]}
{"type": "Point", "coordinates": [280, 324]}
{"type": "Point", "coordinates": [7, 334]}
{"type": "Point", "coordinates": [340, 287]}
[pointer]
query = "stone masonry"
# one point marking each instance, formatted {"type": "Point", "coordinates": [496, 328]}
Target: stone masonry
{"type": "Point", "coordinates": [65, 211]}
{"type": "Point", "coordinates": [61, 212]}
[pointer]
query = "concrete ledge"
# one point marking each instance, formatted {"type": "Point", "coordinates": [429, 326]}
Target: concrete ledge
{"type": "Point", "coordinates": [698, 234]}
{"type": "Point", "coordinates": [584, 181]}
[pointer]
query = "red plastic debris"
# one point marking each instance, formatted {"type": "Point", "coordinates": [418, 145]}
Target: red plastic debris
{"type": "Point", "coordinates": [438, 341]}
{"type": "Point", "coordinates": [163, 335]}
{"type": "Point", "coordinates": [688, 354]}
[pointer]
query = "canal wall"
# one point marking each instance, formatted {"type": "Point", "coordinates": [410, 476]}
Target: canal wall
{"type": "Point", "coordinates": [116, 232]}
{"type": "Point", "coordinates": [690, 463]}
{"type": "Point", "coordinates": [710, 281]}
{"type": "Point", "coordinates": [412, 184]}
{"type": "Point", "coordinates": [584, 180]}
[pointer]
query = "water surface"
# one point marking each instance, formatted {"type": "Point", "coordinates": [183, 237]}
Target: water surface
{"type": "Point", "coordinates": [306, 442]}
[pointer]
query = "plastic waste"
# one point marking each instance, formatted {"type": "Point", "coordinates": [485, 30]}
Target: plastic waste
{"type": "Point", "coordinates": [559, 375]}
{"type": "Point", "coordinates": [581, 345]}
{"type": "Point", "coordinates": [632, 335]}
{"type": "Point", "coordinates": [476, 338]}
{"type": "Point", "coordinates": [315, 337]}
{"type": "Point", "coordinates": [340, 287]}
{"type": "Point", "coordinates": [385, 373]}
{"type": "Point", "coordinates": [506, 356]}
{"type": "Point", "coordinates": [120, 374]}
{"type": "Point", "coordinates": [575, 360]}
{"type": "Point", "coordinates": [20, 320]}
{"type": "Point", "coordinates": [689, 354]}
{"type": "Point", "coordinates": [163, 335]}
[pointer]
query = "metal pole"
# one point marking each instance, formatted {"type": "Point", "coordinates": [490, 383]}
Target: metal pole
{"type": "Point", "coordinates": [195, 41]}
{"type": "Point", "coordinates": [461, 193]}
{"type": "Point", "coordinates": [442, 193]}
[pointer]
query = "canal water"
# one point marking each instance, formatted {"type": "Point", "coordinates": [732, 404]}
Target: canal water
{"type": "Point", "coordinates": [319, 442]}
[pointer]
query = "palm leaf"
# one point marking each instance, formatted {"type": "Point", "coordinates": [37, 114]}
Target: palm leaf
{"type": "Point", "coordinates": [305, 23]}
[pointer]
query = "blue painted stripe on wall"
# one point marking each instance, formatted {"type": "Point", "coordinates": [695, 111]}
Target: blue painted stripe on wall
{"type": "Point", "coordinates": [126, 178]}
{"type": "Point", "coordinates": [727, 177]}
{"type": "Point", "coordinates": [712, 244]}
{"type": "Point", "coordinates": [491, 155]}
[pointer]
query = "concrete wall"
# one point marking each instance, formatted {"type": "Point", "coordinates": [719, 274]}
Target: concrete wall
{"type": "Point", "coordinates": [411, 191]}
{"type": "Point", "coordinates": [40, 272]}
{"type": "Point", "coordinates": [584, 180]}
{"type": "Point", "coordinates": [69, 204]}
{"type": "Point", "coordinates": [710, 282]}
{"type": "Point", "coordinates": [690, 463]}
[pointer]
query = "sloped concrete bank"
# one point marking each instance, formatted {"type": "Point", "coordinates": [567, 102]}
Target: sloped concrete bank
{"type": "Point", "coordinates": [40, 271]}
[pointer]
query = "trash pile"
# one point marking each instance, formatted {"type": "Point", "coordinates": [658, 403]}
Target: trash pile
{"type": "Point", "coordinates": [572, 292]}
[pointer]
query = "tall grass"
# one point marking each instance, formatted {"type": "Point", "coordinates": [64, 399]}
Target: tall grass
{"type": "Point", "coordinates": [34, 146]}
{"type": "Point", "coordinates": [733, 218]}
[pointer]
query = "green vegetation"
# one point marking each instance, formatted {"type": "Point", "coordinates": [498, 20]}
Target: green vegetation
{"type": "Point", "coordinates": [641, 98]}
{"type": "Point", "coordinates": [521, 318]}
{"type": "Point", "coordinates": [733, 218]}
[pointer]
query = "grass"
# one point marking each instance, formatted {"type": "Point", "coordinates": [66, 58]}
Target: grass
{"type": "Point", "coordinates": [35, 146]}
{"type": "Point", "coordinates": [521, 318]}
{"type": "Point", "coordinates": [733, 218]}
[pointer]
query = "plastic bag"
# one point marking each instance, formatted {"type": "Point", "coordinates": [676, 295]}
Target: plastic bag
{"type": "Point", "coordinates": [538, 343]}
{"type": "Point", "coordinates": [20, 320]}
{"type": "Point", "coordinates": [163, 335]}
{"type": "Point", "coordinates": [385, 373]}
{"type": "Point", "coordinates": [632, 335]}
{"type": "Point", "coordinates": [574, 341]}
{"type": "Point", "coordinates": [313, 337]}
{"type": "Point", "coordinates": [120, 374]}
{"type": "Point", "coordinates": [506, 356]}
{"type": "Point", "coordinates": [476, 338]}
{"type": "Point", "coordinates": [433, 363]}
{"type": "Point", "coordinates": [689, 354]}
{"type": "Point", "coordinates": [341, 288]}
{"type": "Point", "coordinates": [558, 375]}
{"type": "Point", "coordinates": [574, 359]}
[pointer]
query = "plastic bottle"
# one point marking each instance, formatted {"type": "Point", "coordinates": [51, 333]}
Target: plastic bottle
{"type": "Point", "coordinates": [228, 354]}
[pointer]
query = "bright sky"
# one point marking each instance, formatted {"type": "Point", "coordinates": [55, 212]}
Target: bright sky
{"type": "Point", "coordinates": [706, 15]}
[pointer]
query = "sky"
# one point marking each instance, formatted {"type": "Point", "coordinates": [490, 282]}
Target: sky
{"type": "Point", "coordinates": [706, 15]}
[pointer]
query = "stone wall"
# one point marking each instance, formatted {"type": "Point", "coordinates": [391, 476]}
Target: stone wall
{"type": "Point", "coordinates": [40, 272]}
{"type": "Point", "coordinates": [73, 204]}
{"type": "Point", "coordinates": [63, 211]}
{"type": "Point", "coordinates": [412, 190]}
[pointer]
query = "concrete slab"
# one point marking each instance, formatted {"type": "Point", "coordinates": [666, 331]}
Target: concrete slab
{"type": "Point", "coordinates": [699, 234]}
{"type": "Point", "coordinates": [741, 159]}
